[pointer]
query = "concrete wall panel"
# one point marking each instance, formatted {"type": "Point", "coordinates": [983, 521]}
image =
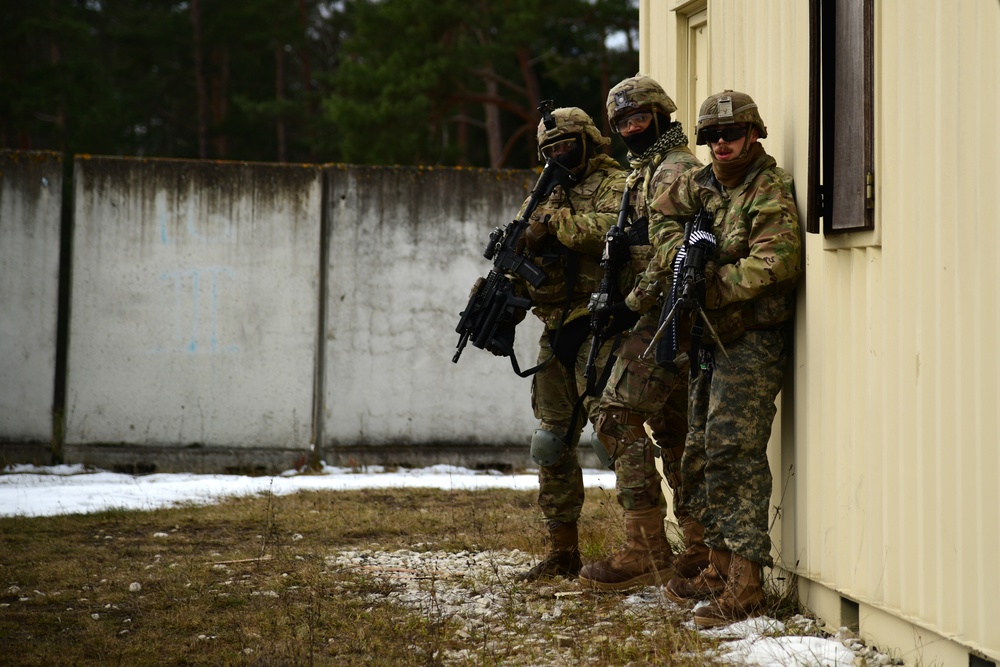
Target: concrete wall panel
{"type": "Point", "coordinates": [30, 210]}
{"type": "Point", "coordinates": [414, 238]}
{"type": "Point", "coordinates": [194, 304]}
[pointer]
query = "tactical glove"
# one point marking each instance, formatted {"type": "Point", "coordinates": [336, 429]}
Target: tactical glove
{"type": "Point", "coordinates": [638, 232]}
{"type": "Point", "coordinates": [617, 317]}
{"type": "Point", "coordinates": [713, 299]}
{"type": "Point", "coordinates": [533, 238]}
{"type": "Point", "coordinates": [502, 342]}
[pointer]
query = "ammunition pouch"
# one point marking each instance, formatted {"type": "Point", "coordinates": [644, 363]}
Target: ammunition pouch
{"type": "Point", "coordinates": [566, 341]}
{"type": "Point", "coordinates": [616, 429]}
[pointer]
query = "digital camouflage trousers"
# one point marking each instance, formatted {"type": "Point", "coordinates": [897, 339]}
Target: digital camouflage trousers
{"type": "Point", "coordinates": [726, 477]}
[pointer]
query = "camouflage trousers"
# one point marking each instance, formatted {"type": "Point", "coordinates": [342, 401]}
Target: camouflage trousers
{"type": "Point", "coordinates": [640, 391]}
{"type": "Point", "coordinates": [555, 390]}
{"type": "Point", "coordinates": [726, 476]}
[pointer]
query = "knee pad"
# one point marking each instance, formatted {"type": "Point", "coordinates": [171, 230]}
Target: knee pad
{"type": "Point", "coordinates": [614, 431]}
{"type": "Point", "coordinates": [546, 447]}
{"type": "Point", "coordinates": [601, 451]}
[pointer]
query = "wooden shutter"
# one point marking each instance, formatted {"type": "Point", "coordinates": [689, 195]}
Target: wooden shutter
{"type": "Point", "coordinates": [841, 116]}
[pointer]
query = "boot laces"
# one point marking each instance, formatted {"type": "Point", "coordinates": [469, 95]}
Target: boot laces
{"type": "Point", "coordinates": [735, 572]}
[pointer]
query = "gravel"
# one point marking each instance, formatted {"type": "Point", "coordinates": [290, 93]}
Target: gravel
{"type": "Point", "coordinates": [538, 624]}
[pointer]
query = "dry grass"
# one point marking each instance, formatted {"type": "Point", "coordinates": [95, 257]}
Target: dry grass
{"type": "Point", "coordinates": [253, 582]}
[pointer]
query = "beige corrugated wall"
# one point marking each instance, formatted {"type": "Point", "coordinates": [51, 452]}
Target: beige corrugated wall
{"type": "Point", "coordinates": [889, 421]}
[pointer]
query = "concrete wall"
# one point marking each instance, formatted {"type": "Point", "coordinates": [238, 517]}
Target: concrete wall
{"type": "Point", "coordinates": [405, 247]}
{"type": "Point", "coordinates": [30, 210]}
{"type": "Point", "coordinates": [194, 307]}
{"type": "Point", "coordinates": [212, 326]}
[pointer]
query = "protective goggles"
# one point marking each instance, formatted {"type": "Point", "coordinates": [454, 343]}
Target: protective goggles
{"type": "Point", "coordinates": [640, 119]}
{"type": "Point", "coordinates": [561, 147]}
{"type": "Point", "coordinates": [732, 133]}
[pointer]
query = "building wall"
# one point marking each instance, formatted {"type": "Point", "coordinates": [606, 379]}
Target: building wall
{"type": "Point", "coordinates": [30, 210]}
{"type": "Point", "coordinates": [890, 416]}
{"type": "Point", "coordinates": [907, 347]}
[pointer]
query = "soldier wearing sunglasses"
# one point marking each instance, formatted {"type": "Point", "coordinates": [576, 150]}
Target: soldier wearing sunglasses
{"type": "Point", "coordinates": [749, 298]}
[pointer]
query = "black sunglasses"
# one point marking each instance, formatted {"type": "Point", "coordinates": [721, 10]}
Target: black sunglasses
{"type": "Point", "coordinates": [733, 133]}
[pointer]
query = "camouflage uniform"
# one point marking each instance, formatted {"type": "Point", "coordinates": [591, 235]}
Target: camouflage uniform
{"type": "Point", "coordinates": [565, 238]}
{"type": "Point", "coordinates": [749, 299]}
{"type": "Point", "coordinates": [579, 219]}
{"type": "Point", "coordinates": [639, 390]}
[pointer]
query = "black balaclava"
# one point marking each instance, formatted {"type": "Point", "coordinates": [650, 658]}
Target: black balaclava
{"type": "Point", "coordinates": [638, 144]}
{"type": "Point", "coordinates": [573, 163]}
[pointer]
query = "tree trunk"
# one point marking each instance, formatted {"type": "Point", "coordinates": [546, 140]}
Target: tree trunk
{"type": "Point", "coordinates": [463, 136]}
{"type": "Point", "coordinates": [494, 138]}
{"type": "Point", "coordinates": [199, 78]}
{"type": "Point", "coordinates": [54, 58]}
{"type": "Point", "coordinates": [307, 87]}
{"type": "Point", "coordinates": [534, 96]}
{"type": "Point", "coordinates": [279, 93]}
{"type": "Point", "coordinates": [220, 100]}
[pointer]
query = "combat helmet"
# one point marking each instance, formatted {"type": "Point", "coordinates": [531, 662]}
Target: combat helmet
{"type": "Point", "coordinates": [728, 108]}
{"type": "Point", "coordinates": [567, 123]}
{"type": "Point", "coordinates": [636, 92]}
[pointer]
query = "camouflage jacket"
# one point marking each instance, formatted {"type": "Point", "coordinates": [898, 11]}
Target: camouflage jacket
{"type": "Point", "coordinates": [759, 258]}
{"type": "Point", "coordinates": [649, 180]}
{"type": "Point", "coordinates": [578, 222]}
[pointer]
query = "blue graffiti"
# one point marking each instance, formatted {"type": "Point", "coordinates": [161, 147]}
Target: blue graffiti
{"type": "Point", "coordinates": [189, 333]}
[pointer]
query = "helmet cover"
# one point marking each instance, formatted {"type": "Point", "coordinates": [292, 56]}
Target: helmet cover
{"type": "Point", "coordinates": [728, 108]}
{"type": "Point", "coordinates": [569, 121]}
{"type": "Point", "coordinates": [634, 93]}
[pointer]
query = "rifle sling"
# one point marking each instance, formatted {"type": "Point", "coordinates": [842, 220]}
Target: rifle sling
{"type": "Point", "coordinates": [573, 263]}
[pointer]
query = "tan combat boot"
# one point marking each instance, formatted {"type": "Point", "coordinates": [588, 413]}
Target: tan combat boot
{"type": "Point", "coordinates": [694, 558]}
{"type": "Point", "coordinates": [564, 554]}
{"type": "Point", "coordinates": [708, 583]}
{"type": "Point", "coordinates": [743, 596]}
{"type": "Point", "coordinates": [643, 561]}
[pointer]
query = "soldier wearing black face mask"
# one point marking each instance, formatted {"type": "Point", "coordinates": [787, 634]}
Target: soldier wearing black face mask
{"type": "Point", "coordinates": [565, 239]}
{"type": "Point", "coordinates": [640, 394]}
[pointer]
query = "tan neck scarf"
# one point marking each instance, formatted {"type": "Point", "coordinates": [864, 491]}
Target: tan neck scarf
{"type": "Point", "coordinates": [732, 172]}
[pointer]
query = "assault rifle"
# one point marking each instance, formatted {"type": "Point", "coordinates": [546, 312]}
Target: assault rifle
{"type": "Point", "coordinates": [493, 303]}
{"type": "Point", "coordinates": [687, 292]}
{"type": "Point", "coordinates": [616, 253]}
